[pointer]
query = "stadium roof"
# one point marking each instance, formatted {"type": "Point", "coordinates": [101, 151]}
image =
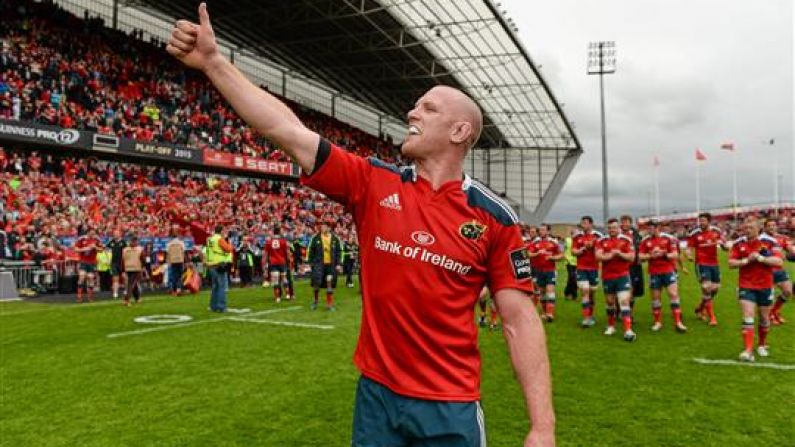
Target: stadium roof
{"type": "Point", "coordinates": [387, 53]}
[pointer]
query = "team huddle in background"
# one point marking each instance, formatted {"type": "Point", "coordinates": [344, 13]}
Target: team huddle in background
{"type": "Point", "coordinates": [758, 251]}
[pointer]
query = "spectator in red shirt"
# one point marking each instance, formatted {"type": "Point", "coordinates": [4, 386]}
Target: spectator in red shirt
{"type": "Point", "coordinates": [34, 165]}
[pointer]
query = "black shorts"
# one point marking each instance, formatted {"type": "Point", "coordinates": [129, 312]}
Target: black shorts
{"type": "Point", "coordinates": [115, 269]}
{"type": "Point", "coordinates": [319, 274]}
{"type": "Point", "coordinates": [88, 268]}
{"type": "Point", "coordinates": [280, 268]}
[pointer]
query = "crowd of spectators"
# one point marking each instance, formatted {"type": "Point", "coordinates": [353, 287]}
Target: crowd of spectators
{"type": "Point", "coordinates": [61, 70]}
{"type": "Point", "coordinates": [47, 198]}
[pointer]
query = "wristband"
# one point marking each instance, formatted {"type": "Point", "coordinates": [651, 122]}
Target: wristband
{"type": "Point", "coordinates": [760, 258]}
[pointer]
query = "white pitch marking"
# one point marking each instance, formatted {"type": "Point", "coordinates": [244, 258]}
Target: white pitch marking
{"type": "Point", "coordinates": [738, 363]}
{"type": "Point", "coordinates": [8, 300]}
{"type": "Point", "coordinates": [162, 319]}
{"type": "Point", "coordinates": [193, 323]}
{"type": "Point", "coordinates": [284, 323]}
{"type": "Point", "coordinates": [163, 328]}
{"type": "Point", "coordinates": [267, 312]}
{"type": "Point", "coordinates": [233, 310]}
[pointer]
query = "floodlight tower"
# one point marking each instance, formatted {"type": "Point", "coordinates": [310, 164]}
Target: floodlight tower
{"type": "Point", "coordinates": [602, 61]}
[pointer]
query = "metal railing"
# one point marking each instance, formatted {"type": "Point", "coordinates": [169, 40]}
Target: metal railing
{"type": "Point", "coordinates": [41, 277]}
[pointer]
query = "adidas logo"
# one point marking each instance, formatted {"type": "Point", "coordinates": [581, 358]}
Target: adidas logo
{"type": "Point", "coordinates": [391, 201]}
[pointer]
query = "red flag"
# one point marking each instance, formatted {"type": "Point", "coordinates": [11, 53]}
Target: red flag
{"type": "Point", "coordinates": [700, 155]}
{"type": "Point", "coordinates": [728, 146]}
{"type": "Point", "coordinates": [656, 161]}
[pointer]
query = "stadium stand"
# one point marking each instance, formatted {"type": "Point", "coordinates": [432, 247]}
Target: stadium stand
{"type": "Point", "coordinates": [60, 70]}
{"type": "Point", "coordinates": [47, 202]}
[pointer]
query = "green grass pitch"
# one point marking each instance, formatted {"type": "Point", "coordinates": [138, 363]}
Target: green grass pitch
{"type": "Point", "coordinates": [65, 382]}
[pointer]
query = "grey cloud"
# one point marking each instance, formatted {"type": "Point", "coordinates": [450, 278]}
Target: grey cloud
{"type": "Point", "coordinates": [670, 104]}
{"type": "Point", "coordinates": [690, 74]}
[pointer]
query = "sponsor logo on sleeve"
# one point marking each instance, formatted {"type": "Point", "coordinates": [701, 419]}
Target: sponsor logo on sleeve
{"type": "Point", "coordinates": [520, 262]}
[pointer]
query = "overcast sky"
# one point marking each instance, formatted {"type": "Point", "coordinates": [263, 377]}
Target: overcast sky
{"type": "Point", "coordinates": [691, 73]}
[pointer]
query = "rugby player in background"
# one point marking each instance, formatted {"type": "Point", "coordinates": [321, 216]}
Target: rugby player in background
{"type": "Point", "coordinates": [780, 276]}
{"type": "Point", "coordinates": [87, 246]}
{"type": "Point", "coordinates": [661, 251]}
{"type": "Point", "coordinates": [616, 253]}
{"type": "Point", "coordinates": [546, 253]}
{"type": "Point", "coordinates": [485, 301]}
{"type": "Point", "coordinates": [703, 243]}
{"type": "Point", "coordinates": [275, 261]}
{"type": "Point", "coordinates": [583, 247]}
{"type": "Point", "coordinates": [756, 255]}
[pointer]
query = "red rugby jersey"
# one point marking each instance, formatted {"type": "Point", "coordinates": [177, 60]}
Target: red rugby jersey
{"type": "Point", "coordinates": [668, 244]}
{"type": "Point", "coordinates": [587, 260]}
{"type": "Point", "coordinates": [542, 262]}
{"type": "Point", "coordinates": [783, 243]}
{"type": "Point", "coordinates": [616, 267]}
{"type": "Point", "coordinates": [755, 275]}
{"type": "Point", "coordinates": [90, 256]}
{"type": "Point", "coordinates": [706, 244]}
{"type": "Point", "coordinates": [278, 251]}
{"type": "Point", "coordinates": [425, 257]}
{"type": "Point", "coordinates": [531, 249]}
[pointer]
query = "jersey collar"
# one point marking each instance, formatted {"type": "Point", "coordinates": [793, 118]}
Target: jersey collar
{"type": "Point", "coordinates": [409, 174]}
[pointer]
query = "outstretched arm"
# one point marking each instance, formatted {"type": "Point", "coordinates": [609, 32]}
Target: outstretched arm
{"type": "Point", "coordinates": [196, 47]}
{"type": "Point", "coordinates": [528, 349]}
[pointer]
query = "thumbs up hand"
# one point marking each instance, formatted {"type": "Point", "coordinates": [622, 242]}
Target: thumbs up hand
{"type": "Point", "coordinates": [194, 44]}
